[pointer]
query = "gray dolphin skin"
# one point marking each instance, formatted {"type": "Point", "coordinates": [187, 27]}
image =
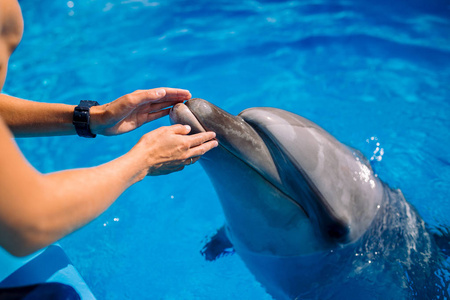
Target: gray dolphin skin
{"type": "Point", "coordinates": [306, 213]}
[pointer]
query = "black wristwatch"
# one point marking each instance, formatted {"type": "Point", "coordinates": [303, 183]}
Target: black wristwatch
{"type": "Point", "coordinates": [82, 118]}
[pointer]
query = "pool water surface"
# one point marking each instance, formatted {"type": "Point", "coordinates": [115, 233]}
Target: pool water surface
{"type": "Point", "coordinates": [375, 75]}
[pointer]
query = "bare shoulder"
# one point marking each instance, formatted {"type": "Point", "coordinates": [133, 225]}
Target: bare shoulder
{"type": "Point", "coordinates": [11, 22]}
{"type": "Point", "coordinates": [11, 25]}
{"type": "Point", "coordinates": [11, 30]}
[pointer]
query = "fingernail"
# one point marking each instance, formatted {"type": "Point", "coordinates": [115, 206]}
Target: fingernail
{"type": "Point", "coordinates": [160, 92]}
{"type": "Point", "coordinates": [188, 127]}
{"type": "Point", "coordinates": [215, 144]}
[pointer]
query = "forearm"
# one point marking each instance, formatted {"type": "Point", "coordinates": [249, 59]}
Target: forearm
{"type": "Point", "coordinates": [79, 196]}
{"type": "Point", "coordinates": [48, 207]}
{"type": "Point", "coordinates": [29, 118]}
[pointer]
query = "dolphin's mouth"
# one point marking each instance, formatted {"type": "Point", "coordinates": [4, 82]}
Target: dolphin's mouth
{"type": "Point", "coordinates": [232, 132]}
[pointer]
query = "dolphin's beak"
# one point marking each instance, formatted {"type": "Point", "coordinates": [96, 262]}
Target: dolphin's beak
{"type": "Point", "coordinates": [232, 132]}
{"type": "Point", "coordinates": [181, 114]}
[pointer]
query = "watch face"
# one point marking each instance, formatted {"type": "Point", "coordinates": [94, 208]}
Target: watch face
{"type": "Point", "coordinates": [81, 114]}
{"type": "Point", "coordinates": [87, 103]}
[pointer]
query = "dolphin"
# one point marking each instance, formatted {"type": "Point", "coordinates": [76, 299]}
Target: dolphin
{"type": "Point", "coordinates": [306, 213]}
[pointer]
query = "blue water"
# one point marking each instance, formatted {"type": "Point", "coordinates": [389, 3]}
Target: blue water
{"type": "Point", "coordinates": [374, 74]}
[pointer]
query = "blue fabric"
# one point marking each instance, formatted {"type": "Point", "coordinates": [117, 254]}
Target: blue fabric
{"type": "Point", "coordinates": [39, 269]}
{"type": "Point", "coordinates": [48, 291]}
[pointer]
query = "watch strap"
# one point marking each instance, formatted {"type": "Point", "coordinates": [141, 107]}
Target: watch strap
{"type": "Point", "coordinates": [82, 118]}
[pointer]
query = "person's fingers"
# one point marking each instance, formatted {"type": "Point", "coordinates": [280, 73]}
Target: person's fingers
{"type": "Point", "coordinates": [191, 160]}
{"type": "Point", "coordinates": [140, 97]}
{"type": "Point", "coordinates": [168, 104]}
{"type": "Point", "coordinates": [173, 168]}
{"type": "Point", "coordinates": [164, 170]}
{"type": "Point", "coordinates": [156, 115]}
{"type": "Point", "coordinates": [202, 149]}
{"type": "Point", "coordinates": [178, 94]}
{"type": "Point", "coordinates": [154, 107]}
{"type": "Point", "coordinates": [159, 95]}
{"type": "Point", "coordinates": [200, 138]}
{"type": "Point", "coordinates": [180, 129]}
{"type": "Point", "coordinates": [177, 169]}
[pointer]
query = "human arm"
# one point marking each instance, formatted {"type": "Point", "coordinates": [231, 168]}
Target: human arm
{"type": "Point", "coordinates": [38, 209]}
{"type": "Point", "coordinates": [30, 118]}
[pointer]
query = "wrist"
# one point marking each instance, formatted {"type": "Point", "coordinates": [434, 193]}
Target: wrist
{"type": "Point", "coordinates": [82, 118]}
{"type": "Point", "coordinates": [97, 117]}
{"type": "Point", "coordinates": [137, 164]}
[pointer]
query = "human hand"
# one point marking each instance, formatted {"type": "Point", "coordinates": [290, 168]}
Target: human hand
{"type": "Point", "coordinates": [133, 110]}
{"type": "Point", "coordinates": [169, 149]}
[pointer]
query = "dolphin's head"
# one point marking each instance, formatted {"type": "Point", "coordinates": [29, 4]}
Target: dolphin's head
{"type": "Point", "coordinates": [286, 185]}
